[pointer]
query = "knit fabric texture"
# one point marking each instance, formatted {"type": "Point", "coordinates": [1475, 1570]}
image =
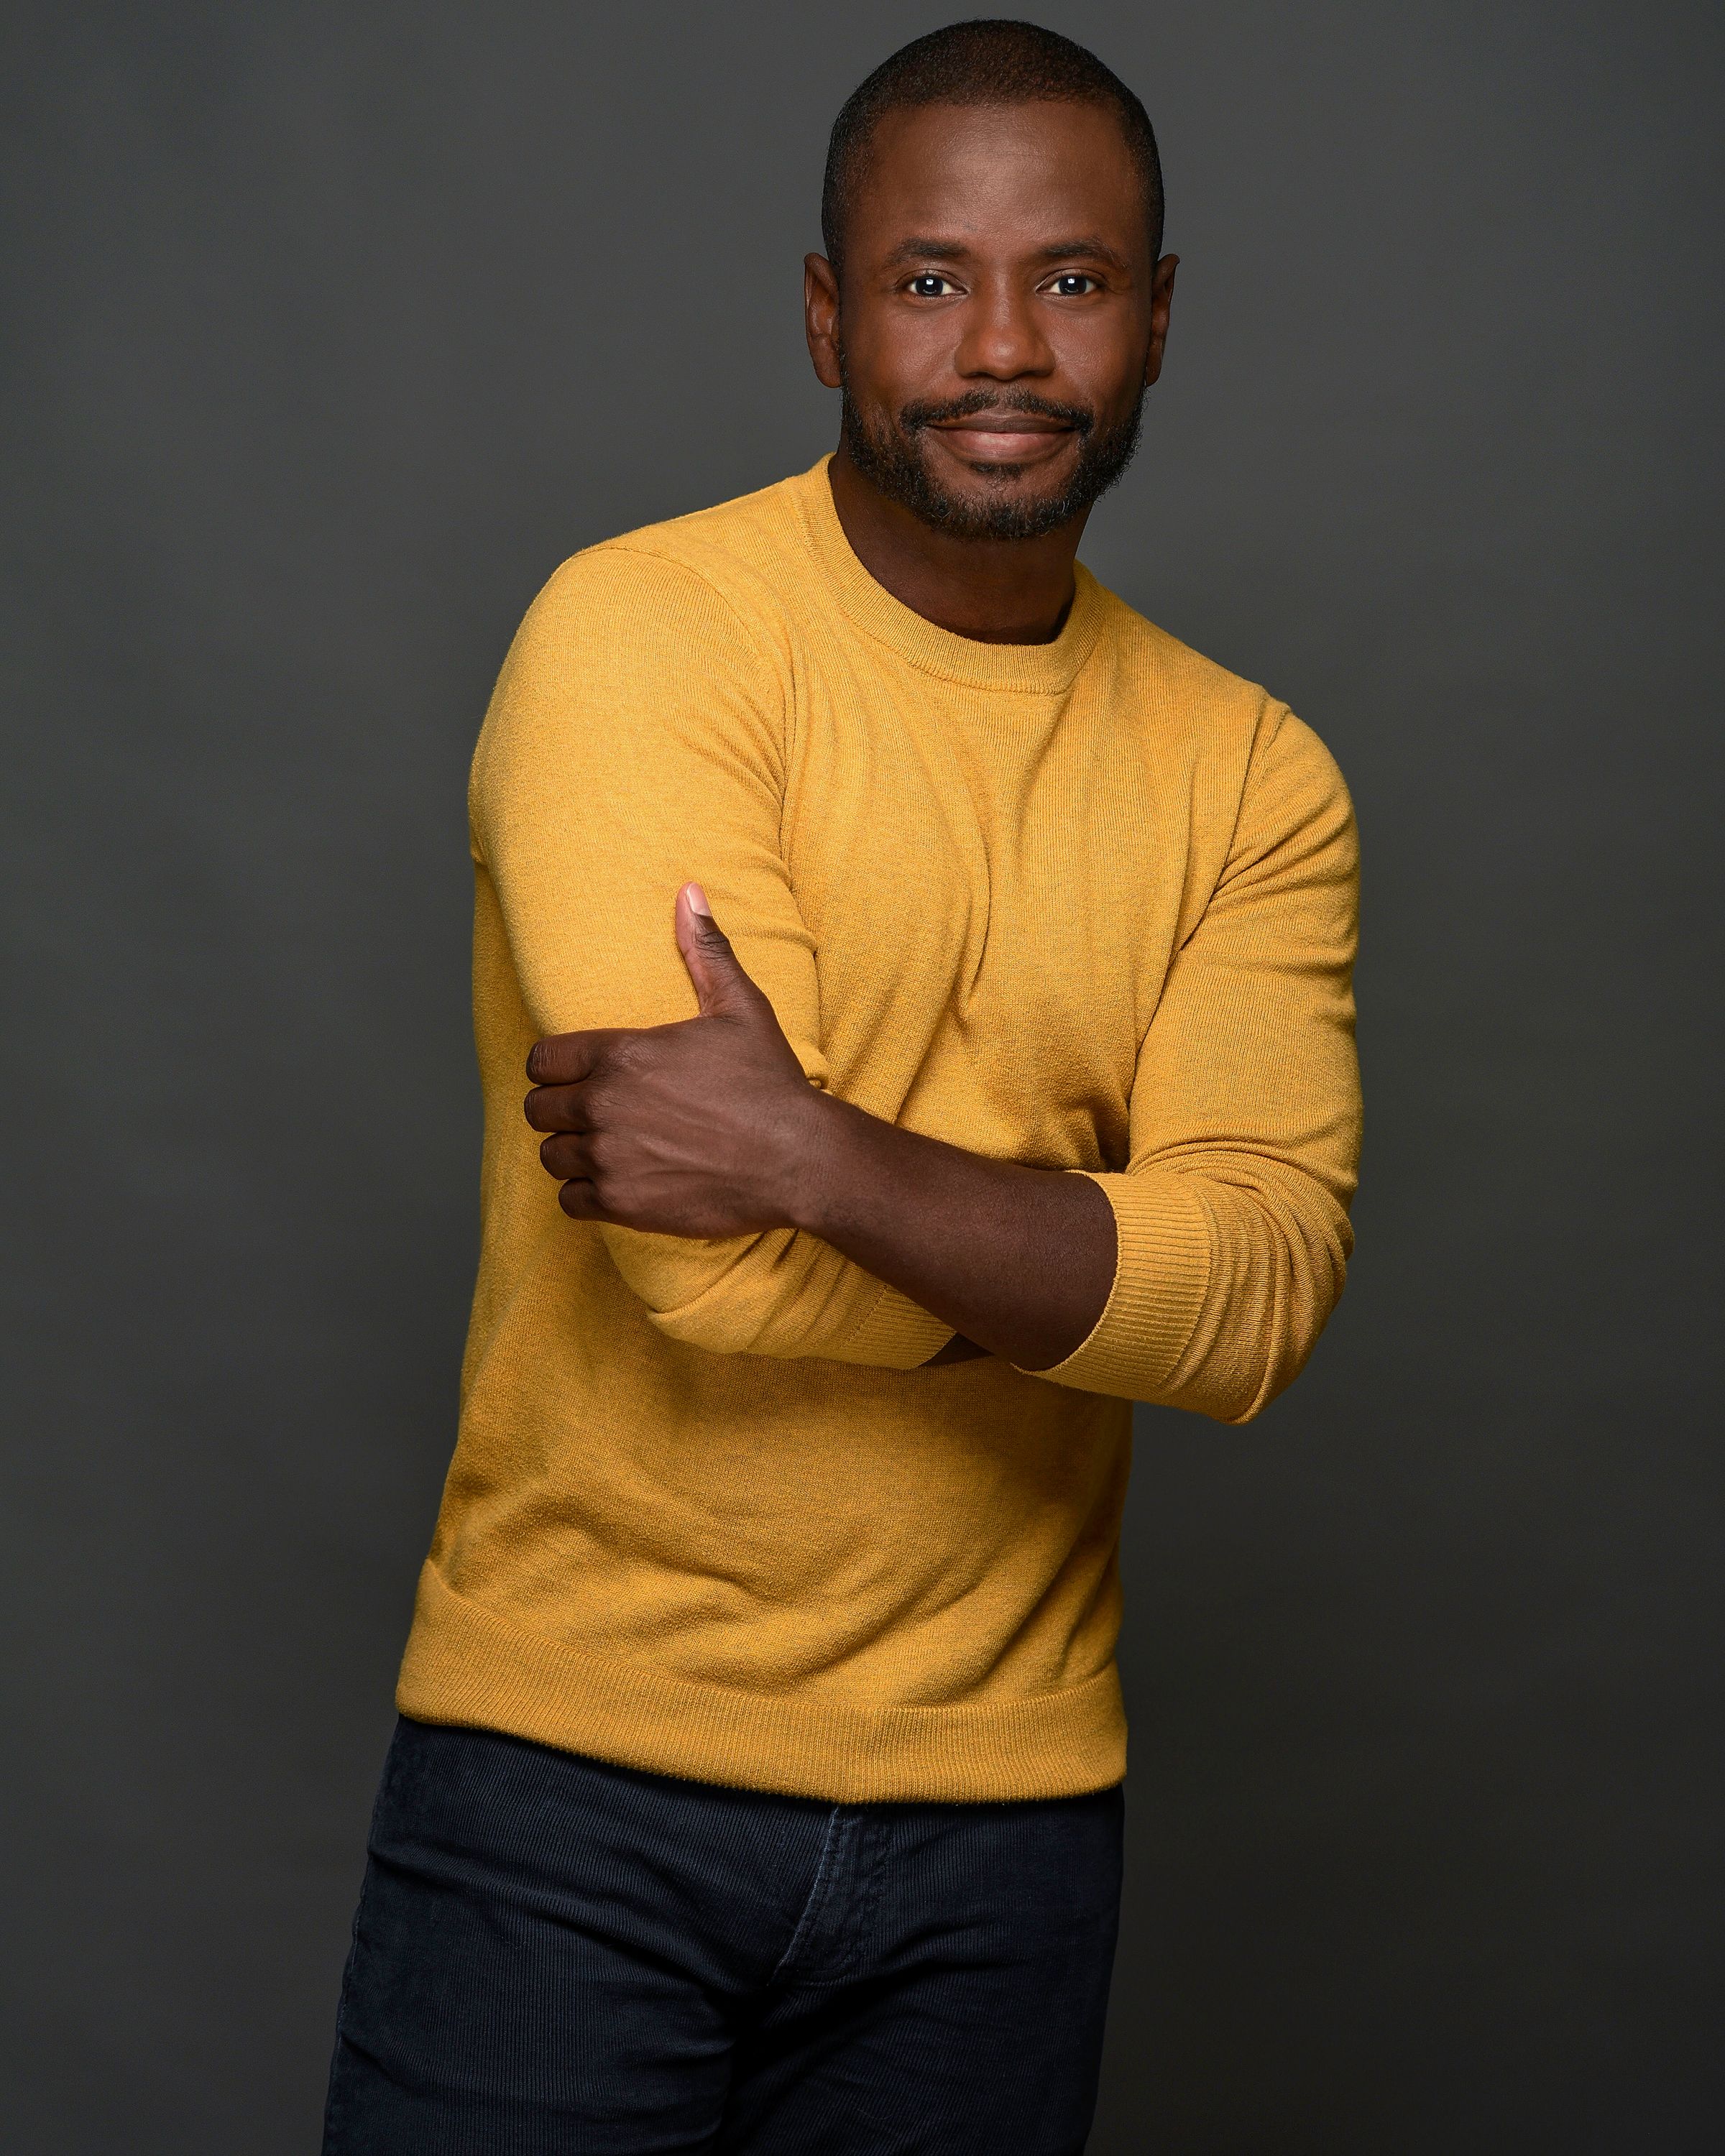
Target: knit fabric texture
{"type": "Point", "coordinates": [1088, 905]}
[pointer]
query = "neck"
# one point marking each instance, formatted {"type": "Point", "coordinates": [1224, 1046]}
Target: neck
{"type": "Point", "coordinates": [998, 591]}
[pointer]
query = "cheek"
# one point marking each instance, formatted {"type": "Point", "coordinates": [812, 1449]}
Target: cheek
{"type": "Point", "coordinates": [912, 359]}
{"type": "Point", "coordinates": [1104, 345]}
{"type": "Point", "coordinates": [1097, 359]}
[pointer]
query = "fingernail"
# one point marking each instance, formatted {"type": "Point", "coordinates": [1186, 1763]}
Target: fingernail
{"type": "Point", "coordinates": [697, 900]}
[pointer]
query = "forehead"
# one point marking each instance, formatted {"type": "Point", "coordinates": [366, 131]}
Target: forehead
{"type": "Point", "coordinates": [997, 177]}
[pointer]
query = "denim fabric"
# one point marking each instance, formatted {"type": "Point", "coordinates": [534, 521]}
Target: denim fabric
{"type": "Point", "coordinates": [552, 1954]}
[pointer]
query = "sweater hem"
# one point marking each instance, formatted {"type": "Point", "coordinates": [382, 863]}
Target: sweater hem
{"type": "Point", "coordinates": [467, 1667]}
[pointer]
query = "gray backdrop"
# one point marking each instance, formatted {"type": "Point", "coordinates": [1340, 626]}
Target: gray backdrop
{"type": "Point", "coordinates": [333, 330]}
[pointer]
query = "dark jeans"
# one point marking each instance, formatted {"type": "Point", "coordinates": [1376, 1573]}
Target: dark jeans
{"type": "Point", "coordinates": [554, 1955]}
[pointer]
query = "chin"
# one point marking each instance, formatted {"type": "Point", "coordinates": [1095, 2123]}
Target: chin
{"type": "Point", "coordinates": [1007, 501]}
{"type": "Point", "coordinates": [996, 495]}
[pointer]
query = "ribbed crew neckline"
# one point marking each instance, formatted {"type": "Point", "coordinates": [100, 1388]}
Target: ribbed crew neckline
{"type": "Point", "coordinates": [1038, 668]}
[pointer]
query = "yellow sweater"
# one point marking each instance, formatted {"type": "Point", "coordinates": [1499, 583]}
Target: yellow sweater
{"type": "Point", "coordinates": [1088, 905]}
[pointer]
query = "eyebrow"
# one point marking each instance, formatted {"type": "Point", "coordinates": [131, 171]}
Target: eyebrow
{"type": "Point", "coordinates": [926, 249]}
{"type": "Point", "coordinates": [1089, 245]}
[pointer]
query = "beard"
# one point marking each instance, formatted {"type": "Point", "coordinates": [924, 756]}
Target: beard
{"type": "Point", "coordinates": [892, 456]}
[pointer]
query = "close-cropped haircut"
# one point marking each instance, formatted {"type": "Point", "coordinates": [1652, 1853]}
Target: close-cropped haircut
{"type": "Point", "coordinates": [986, 61]}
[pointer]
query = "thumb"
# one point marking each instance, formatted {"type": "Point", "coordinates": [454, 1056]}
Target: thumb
{"type": "Point", "coordinates": [720, 984]}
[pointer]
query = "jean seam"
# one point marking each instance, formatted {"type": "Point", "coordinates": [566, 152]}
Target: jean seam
{"type": "Point", "coordinates": [863, 1936]}
{"type": "Point", "coordinates": [819, 1890]}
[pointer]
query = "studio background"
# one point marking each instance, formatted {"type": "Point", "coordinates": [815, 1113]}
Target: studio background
{"type": "Point", "coordinates": [331, 330]}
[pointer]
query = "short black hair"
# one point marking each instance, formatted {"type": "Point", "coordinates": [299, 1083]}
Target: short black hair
{"type": "Point", "coordinates": [989, 61]}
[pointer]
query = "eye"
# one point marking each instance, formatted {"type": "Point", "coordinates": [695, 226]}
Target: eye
{"type": "Point", "coordinates": [929, 284]}
{"type": "Point", "coordinates": [1074, 284]}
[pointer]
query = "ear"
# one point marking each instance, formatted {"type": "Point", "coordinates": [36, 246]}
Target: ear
{"type": "Point", "coordinates": [821, 316]}
{"type": "Point", "coordinates": [1161, 299]}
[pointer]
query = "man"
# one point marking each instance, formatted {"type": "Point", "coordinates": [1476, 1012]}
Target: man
{"type": "Point", "coordinates": [933, 981]}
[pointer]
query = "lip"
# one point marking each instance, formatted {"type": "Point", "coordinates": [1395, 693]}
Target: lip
{"type": "Point", "coordinates": [1002, 437]}
{"type": "Point", "coordinates": [1005, 423]}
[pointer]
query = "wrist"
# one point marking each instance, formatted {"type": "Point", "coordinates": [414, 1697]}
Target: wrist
{"type": "Point", "coordinates": [808, 1167]}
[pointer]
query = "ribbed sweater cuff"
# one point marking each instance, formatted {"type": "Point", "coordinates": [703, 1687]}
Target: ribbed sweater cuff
{"type": "Point", "coordinates": [1160, 1276]}
{"type": "Point", "coordinates": [897, 1334]}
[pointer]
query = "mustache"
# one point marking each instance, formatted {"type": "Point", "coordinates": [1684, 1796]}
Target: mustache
{"type": "Point", "coordinates": [912, 416]}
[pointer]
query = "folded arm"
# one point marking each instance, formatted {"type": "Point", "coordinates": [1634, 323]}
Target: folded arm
{"type": "Point", "coordinates": [1201, 1276]}
{"type": "Point", "coordinates": [709, 1129]}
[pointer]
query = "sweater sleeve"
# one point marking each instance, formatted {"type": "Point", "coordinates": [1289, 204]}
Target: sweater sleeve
{"type": "Point", "coordinates": [1232, 1213]}
{"type": "Point", "coordinates": [636, 739]}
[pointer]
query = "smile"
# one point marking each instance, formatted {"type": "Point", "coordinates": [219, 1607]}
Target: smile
{"type": "Point", "coordinates": [1002, 437]}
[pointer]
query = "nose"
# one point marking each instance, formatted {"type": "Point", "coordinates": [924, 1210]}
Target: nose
{"type": "Point", "coordinates": [1002, 339]}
